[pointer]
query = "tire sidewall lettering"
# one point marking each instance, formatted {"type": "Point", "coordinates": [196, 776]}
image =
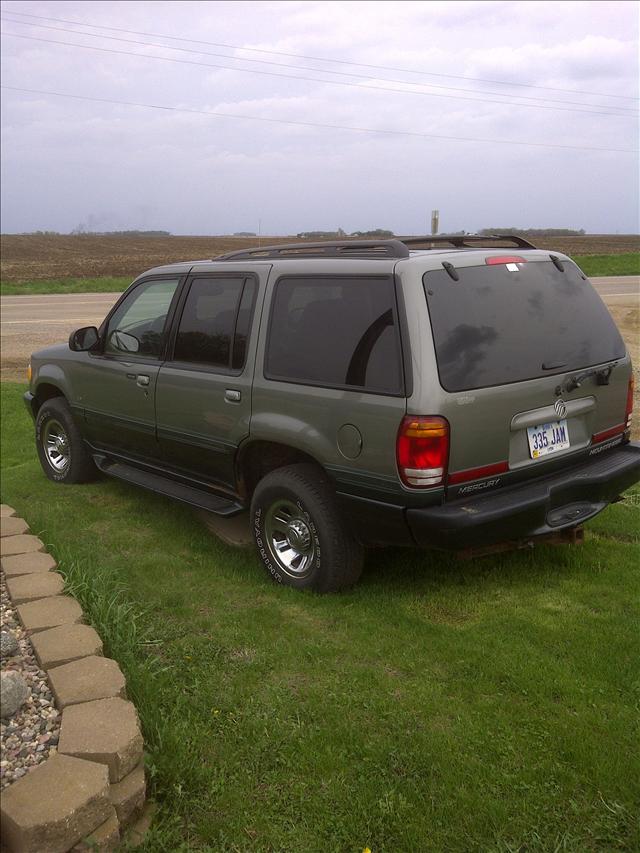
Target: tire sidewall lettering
{"type": "Point", "coordinates": [55, 475]}
{"type": "Point", "coordinates": [259, 538]}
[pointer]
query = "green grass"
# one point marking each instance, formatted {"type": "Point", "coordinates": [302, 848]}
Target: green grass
{"type": "Point", "coordinates": [106, 284]}
{"type": "Point", "coordinates": [594, 265]}
{"type": "Point", "coordinates": [439, 706]}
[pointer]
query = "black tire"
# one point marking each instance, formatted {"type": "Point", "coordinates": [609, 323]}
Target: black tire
{"type": "Point", "coordinates": [296, 505]}
{"type": "Point", "coordinates": [67, 460]}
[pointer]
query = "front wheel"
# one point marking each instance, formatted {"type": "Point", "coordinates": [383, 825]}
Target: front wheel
{"type": "Point", "coordinates": [62, 452]}
{"type": "Point", "coordinates": [301, 539]}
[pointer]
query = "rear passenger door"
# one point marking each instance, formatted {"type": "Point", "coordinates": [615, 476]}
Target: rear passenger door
{"type": "Point", "coordinates": [203, 397]}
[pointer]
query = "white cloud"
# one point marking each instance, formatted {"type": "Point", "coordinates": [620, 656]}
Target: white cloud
{"type": "Point", "coordinates": [64, 160]}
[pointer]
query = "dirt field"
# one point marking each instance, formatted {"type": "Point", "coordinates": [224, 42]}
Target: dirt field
{"type": "Point", "coordinates": [35, 258]}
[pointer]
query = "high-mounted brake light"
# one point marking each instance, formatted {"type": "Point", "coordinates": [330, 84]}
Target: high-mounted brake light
{"type": "Point", "coordinates": [505, 259]}
{"type": "Point", "coordinates": [422, 450]}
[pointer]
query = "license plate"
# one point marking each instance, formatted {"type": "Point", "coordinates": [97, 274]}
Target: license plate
{"type": "Point", "coordinates": [548, 438]}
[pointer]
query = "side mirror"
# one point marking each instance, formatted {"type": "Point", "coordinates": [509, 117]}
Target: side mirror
{"type": "Point", "coordinates": [83, 339]}
{"type": "Point", "coordinates": [123, 341]}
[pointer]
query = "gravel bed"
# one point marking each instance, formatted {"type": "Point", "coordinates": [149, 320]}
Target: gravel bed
{"type": "Point", "coordinates": [31, 735]}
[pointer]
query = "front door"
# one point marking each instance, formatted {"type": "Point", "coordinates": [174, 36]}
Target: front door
{"type": "Point", "coordinates": [118, 385]}
{"type": "Point", "coordinates": [203, 396]}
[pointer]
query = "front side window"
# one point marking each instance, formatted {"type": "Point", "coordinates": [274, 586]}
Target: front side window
{"type": "Point", "coordinates": [137, 325]}
{"type": "Point", "coordinates": [215, 321]}
{"type": "Point", "coordinates": [336, 332]}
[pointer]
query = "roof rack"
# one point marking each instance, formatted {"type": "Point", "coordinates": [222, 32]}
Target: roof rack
{"type": "Point", "coordinates": [396, 248]}
{"type": "Point", "coordinates": [330, 249]}
{"type": "Point", "coordinates": [467, 241]}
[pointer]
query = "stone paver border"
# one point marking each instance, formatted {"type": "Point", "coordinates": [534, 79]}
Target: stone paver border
{"type": "Point", "coordinates": [86, 794]}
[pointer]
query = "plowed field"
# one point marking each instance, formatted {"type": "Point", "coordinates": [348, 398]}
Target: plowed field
{"type": "Point", "coordinates": [34, 257]}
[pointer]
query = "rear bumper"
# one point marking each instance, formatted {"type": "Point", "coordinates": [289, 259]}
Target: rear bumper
{"type": "Point", "coordinates": [535, 508]}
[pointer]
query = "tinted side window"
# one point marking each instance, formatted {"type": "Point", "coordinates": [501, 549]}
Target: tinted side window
{"type": "Point", "coordinates": [137, 325]}
{"type": "Point", "coordinates": [336, 332]}
{"type": "Point", "coordinates": [215, 322]}
{"type": "Point", "coordinates": [243, 324]}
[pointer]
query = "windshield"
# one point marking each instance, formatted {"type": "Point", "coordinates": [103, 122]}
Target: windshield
{"type": "Point", "coordinates": [507, 323]}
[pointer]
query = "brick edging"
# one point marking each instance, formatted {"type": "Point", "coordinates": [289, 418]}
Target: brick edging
{"type": "Point", "coordinates": [89, 791]}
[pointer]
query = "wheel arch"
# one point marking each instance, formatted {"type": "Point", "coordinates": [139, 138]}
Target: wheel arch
{"type": "Point", "coordinates": [260, 457]}
{"type": "Point", "coordinates": [43, 392]}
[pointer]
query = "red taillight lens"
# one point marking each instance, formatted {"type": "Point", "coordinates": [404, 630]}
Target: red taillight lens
{"type": "Point", "coordinates": [422, 450]}
{"type": "Point", "coordinates": [629, 410]}
{"type": "Point", "coordinates": [504, 259]}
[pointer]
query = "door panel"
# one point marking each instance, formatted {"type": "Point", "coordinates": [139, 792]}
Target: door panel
{"type": "Point", "coordinates": [119, 409]}
{"type": "Point", "coordinates": [117, 387]}
{"type": "Point", "coordinates": [203, 398]}
{"type": "Point", "coordinates": [199, 427]}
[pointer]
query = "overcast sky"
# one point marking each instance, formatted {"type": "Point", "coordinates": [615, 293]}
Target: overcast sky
{"type": "Point", "coordinates": [68, 163]}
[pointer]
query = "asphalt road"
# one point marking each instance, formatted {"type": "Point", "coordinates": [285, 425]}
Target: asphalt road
{"type": "Point", "coordinates": [28, 323]}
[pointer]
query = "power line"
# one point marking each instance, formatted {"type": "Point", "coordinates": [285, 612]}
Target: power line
{"type": "Point", "coordinates": [316, 70]}
{"type": "Point", "coordinates": [327, 59]}
{"type": "Point", "coordinates": [294, 123]}
{"type": "Point", "coordinates": [308, 79]}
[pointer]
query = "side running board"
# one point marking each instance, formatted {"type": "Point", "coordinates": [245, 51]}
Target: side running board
{"type": "Point", "coordinates": [164, 486]}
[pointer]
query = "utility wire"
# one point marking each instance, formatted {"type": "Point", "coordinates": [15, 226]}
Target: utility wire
{"type": "Point", "coordinates": [316, 70]}
{"type": "Point", "coordinates": [326, 59]}
{"type": "Point", "coordinates": [308, 79]}
{"type": "Point", "coordinates": [294, 123]}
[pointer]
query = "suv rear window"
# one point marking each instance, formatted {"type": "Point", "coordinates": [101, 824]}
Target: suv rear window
{"type": "Point", "coordinates": [501, 324]}
{"type": "Point", "coordinates": [338, 332]}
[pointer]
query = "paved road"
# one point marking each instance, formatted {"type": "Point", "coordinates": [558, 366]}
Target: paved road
{"type": "Point", "coordinates": [29, 323]}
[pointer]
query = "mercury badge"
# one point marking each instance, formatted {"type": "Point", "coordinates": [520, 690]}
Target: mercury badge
{"type": "Point", "coordinates": [560, 407]}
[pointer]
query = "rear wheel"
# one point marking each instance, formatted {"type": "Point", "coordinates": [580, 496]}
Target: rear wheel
{"type": "Point", "coordinates": [62, 452]}
{"type": "Point", "coordinates": [300, 536]}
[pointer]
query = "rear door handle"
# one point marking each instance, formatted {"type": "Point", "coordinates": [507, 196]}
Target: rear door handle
{"type": "Point", "coordinates": [231, 395]}
{"type": "Point", "coordinates": [142, 380]}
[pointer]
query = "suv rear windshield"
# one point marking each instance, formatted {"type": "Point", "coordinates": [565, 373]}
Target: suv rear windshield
{"type": "Point", "coordinates": [507, 323]}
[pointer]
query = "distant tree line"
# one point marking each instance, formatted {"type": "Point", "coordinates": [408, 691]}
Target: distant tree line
{"type": "Point", "coordinates": [379, 233]}
{"type": "Point", "coordinates": [132, 233]}
{"type": "Point", "coordinates": [82, 232]}
{"type": "Point", "coordinates": [537, 232]}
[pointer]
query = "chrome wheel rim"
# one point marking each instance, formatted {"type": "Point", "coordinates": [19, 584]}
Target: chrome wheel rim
{"type": "Point", "coordinates": [56, 446]}
{"type": "Point", "coordinates": [290, 538]}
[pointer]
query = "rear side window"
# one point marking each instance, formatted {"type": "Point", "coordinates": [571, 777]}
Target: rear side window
{"type": "Point", "coordinates": [501, 324]}
{"type": "Point", "coordinates": [336, 332]}
{"type": "Point", "coordinates": [215, 321]}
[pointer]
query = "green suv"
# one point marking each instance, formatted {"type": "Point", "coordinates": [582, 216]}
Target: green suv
{"type": "Point", "coordinates": [351, 394]}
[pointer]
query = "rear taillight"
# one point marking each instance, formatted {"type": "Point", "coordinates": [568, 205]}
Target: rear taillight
{"type": "Point", "coordinates": [629, 410]}
{"type": "Point", "coordinates": [422, 450]}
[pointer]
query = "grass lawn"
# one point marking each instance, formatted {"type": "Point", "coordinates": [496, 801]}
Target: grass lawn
{"type": "Point", "coordinates": [106, 284]}
{"type": "Point", "coordinates": [592, 265]}
{"type": "Point", "coordinates": [438, 706]}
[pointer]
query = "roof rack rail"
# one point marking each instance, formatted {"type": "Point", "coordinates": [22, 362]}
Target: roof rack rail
{"type": "Point", "coordinates": [329, 249]}
{"type": "Point", "coordinates": [396, 248]}
{"type": "Point", "coordinates": [462, 241]}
